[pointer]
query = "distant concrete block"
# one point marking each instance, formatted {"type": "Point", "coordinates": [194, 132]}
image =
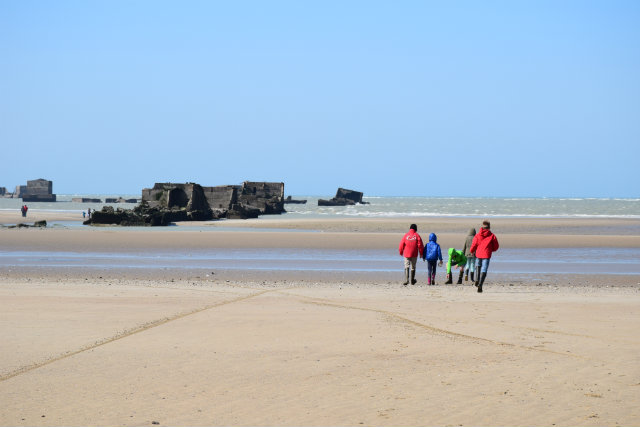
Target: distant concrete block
{"type": "Point", "coordinates": [37, 190]}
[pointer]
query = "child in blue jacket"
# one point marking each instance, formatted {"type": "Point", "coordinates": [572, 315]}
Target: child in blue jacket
{"type": "Point", "coordinates": [432, 254]}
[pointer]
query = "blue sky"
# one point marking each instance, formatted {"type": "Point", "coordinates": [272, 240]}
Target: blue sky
{"type": "Point", "coordinates": [425, 98]}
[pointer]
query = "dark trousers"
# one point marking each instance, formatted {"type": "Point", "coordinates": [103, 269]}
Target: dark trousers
{"type": "Point", "coordinates": [431, 267]}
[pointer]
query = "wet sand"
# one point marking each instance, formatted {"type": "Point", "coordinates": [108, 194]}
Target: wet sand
{"type": "Point", "coordinates": [87, 347]}
{"type": "Point", "coordinates": [330, 233]}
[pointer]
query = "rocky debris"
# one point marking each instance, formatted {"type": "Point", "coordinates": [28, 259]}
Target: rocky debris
{"type": "Point", "coordinates": [240, 211]}
{"type": "Point", "coordinates": [119, 200]}
{"type": "Point", "coordinates": [85, 200]}
{"type": "Point", "coordinates": [37, 190]}
{"type": "Point", "coordinates": [290, 200]}
{"type": "Point", "coordinates": [141, 215]}
{"type": "Point", "coordinates": [170, 202]}
{"type": "Point", "coordinates": [343, 197]}
{"type": "Point", "coordinates": [37, 224]}
{"type": "Point", "coordinates": [107, 200]}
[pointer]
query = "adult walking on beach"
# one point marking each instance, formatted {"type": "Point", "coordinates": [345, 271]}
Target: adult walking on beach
{"type": "Point", "coordinates": [410, 247]}
{"type": "Point", "coordinates": [471, 259]}
{"type": "Point", "coordinates": [484, 244]}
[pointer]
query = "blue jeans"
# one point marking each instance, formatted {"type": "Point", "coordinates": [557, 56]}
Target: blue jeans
{"type": "Point", "coordinates": [482, 264]}
{"type": "Point", "coordinates": [471, 264]}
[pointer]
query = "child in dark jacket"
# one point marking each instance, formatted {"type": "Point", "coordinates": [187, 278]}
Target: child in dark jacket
{"type": "Point", "coordinates": [432, 254]}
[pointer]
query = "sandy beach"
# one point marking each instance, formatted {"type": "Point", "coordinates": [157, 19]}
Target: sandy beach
{"type": "Point", "coordinates": [86, 346]}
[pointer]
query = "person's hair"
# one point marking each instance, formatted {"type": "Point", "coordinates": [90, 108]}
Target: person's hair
{"type": "Point", "coordinates": [413, 227]}
{"type": "Point", "coordinates": [486, 224]}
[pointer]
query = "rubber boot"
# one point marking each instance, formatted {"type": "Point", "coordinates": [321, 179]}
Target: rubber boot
{"type": "Point", "coordinates": [466, 276]}
{"type": "Point", "coordinates": [472, 277]}
{"type": "Point", "coordinates": [460, 278]}
{"type": "Point", "coordinates": [429, 280]}
{"type": "Point", "coordinates": [433, 280]}
{"type": "Point", "coordinates": [413, 277]}
{"type": "Point", "coordinates": [406, 277]}
{"type": "Point", "coordinates": [477, 282]}
{"type": "Point", "coordinates": [449, 281]}
{"type": "Point", "coordinates": [482, 277]}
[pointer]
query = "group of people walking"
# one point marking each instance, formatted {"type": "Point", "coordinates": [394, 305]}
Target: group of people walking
{"type": "Point", "coordinates": [473, 260]}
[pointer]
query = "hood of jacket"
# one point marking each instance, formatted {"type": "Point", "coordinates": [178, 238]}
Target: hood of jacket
{"type": "Point", "coordinates": [472, 232]}
{"type": "Point", "coordinates": [433, 238]}
{"type": "Point", "coordinates": [485, 232]}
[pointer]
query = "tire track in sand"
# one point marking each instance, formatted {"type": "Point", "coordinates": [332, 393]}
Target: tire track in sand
{"type": "Point", "coordinates": [433, 329]}
{"type": "Point", "coordinates": [124, 334]}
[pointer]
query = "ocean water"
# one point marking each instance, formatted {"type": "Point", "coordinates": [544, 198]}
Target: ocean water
{"type": "Point", "coordinates": [473, 207]}
{"type": "Point", "coordinates": [515, 261]}
{"type": "Point", "coordinates": [530, 261]}
{"type": "Point", "coordinates": [380, 207]}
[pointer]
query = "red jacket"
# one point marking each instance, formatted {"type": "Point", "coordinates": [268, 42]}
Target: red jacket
{"type": "Point", "coordinates": [484, 243]}
{"type": "Point", "coordinates": [411, 245]}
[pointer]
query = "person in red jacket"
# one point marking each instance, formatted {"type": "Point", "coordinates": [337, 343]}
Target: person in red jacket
{"type": "Point", "coordinates": [484, 244]}
{"type": "Point", "coordinates": [411, 247]}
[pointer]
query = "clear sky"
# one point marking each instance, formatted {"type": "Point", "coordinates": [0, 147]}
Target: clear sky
{"type": "Point", "coordinates": [392, 98]}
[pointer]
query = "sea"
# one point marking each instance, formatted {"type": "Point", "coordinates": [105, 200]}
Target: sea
{"type": "Point", "coordinates": [389, 207]}
{"type": "Point", "coordinates": [530, 264]}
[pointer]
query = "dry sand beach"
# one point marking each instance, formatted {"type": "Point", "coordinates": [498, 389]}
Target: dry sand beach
{"type": "Point", "coordinates": [96, 346]}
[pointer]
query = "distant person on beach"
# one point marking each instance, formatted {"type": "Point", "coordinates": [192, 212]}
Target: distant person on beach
{"type": "Point", "coordinates": [89, 213]}
{"type": "Point", "coordinates": [84, 214]}
{"type": "Point", "coordinates": [458, 260]}
{"type": "Point", "coordinates": [471, 259]}
{"type": "Point", "coordinates": [432, 254]}
{"type": "Point", "coordinates": [410, 247]}
{"type": "Point", "coordinates": [22, 211]}
{"type": "Point", "coordinates": [484, 244]}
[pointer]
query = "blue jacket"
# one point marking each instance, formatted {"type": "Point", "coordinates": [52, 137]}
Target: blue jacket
{"type": "Point", "coordinates": [432, 251]}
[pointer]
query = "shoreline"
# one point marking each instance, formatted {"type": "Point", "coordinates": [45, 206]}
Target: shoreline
{"type": "Point", "coordinates": [364, 235]}
{"type": "Point", "coordinates": [330, 235]}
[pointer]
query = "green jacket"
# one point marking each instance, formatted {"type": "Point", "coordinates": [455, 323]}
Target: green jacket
{"type": "Point", "coordinates": [455, 258]}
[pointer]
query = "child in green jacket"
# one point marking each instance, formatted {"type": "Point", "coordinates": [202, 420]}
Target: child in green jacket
{"type": "Point", "coordinates": [456, 258]}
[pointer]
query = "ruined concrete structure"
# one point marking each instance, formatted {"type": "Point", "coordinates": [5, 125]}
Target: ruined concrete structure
{"type": "Point", "coordinates": [221, 197]}
{"type": "Point", "coordinates": [171, 202]}
{"type": "Point", "coordinates": [265, 197]}
{"type": "Point", "coordinates": [188, 198]}
{"type": "Point", "coordinates": [343, 197]}
{"type": "Point", "coordinates": [37, 190]}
